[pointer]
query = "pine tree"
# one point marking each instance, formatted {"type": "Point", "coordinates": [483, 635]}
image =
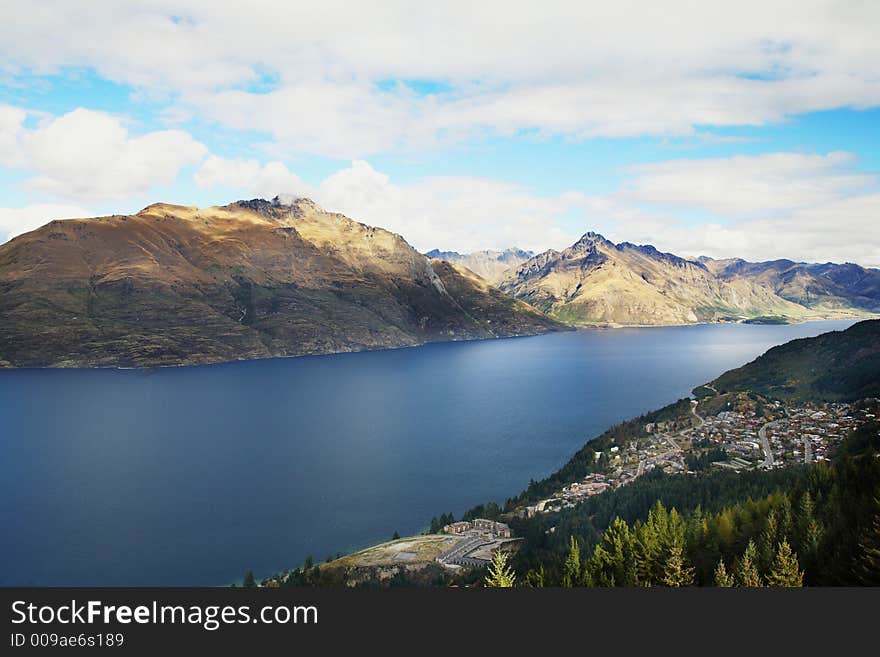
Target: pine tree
{"type": "Point", "coordinates": [676, 571]}
{"type": "Point", "coordinates": [646, 551]}
{"type": "Point", "coordinates": [725, 527]}
{"type": "Point", "coordinates": [722, 577]}
{"type": "Point", "coordinates": [536, 579]}
{"type": "Point", "coordinates": [808, 536]}
{"type": "Point", "coordinates": [785, 570]}
{"type": "Point", "coordinates": [675, 529]}
{"type": "Point", "coordinates": [500, 574]}
{"type": "Point", "coordinates": [869, 559]}
{"type": "Point", "coordinates": [618, 541]}
{"type": "Point", "coordinates": [768, 542]}
{"type": "Point", "coordinates": [249, 581]}
{"type": "Point", "coordinates": [784, 517]}
{"type": "Point", "coordinates": [601, 567]}
{"type": "Point", "coordinates": [806, 515]}
{"type": "Point", "coordinates": [571, 569]}
{"type": "Point", "coordinates": [695, 529]}
{"type": "Point", "coordinates": [747, 574]}
{"type": "Point", "coordinates": [586, 576]}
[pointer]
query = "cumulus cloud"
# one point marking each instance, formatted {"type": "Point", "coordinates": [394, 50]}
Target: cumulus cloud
{"type": "Point", "coordinates": [88, 155]}
{"type": "Point", "coordinates": [449, 212]}
{"type": "Point", "coordinates": [15, 221]}
{"type": "Point", "coordinates": [332, 119]}
{"type": "Point", "coordinates": [249, 176]}
{"type": "Point", "coordinates": [747, 185]}
{"type": "Point", "coordinates": [459, 213]}
{"type": "Point", "coordinates": [808, 207]}
{"type": "Point", "coordinates": [11, 122]}
{"type": "Point", "coordinates": [317, 79]}
{"type": "Point", "coordinates": [805, 234]}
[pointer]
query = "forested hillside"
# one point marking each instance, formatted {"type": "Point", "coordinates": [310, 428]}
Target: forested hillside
{"type": "Point", "coordinates": [816, 525]}
{"type": "Point", "coordinates": [834, 366]}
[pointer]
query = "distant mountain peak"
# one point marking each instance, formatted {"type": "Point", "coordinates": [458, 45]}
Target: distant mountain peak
{"type": "Point", "coordinates": [595, 281]}
{"type": "Point", "coordinates": [491, 265]}
{"type": "Point", "coordinates": [442, 255]}
{"type": "Point", "coordinates": [291, 200]}
{"type": "Point", "coordinates": [297, 204]}
{"type": "Point", "coordinates": [516, 252]}
{"type": "Point", "coordinates": [592, 237]}
{"type": "Point", "coordinates": [493, 253]}
{"type": "Point", "coordinates": [589, 242]}
{"type": "Point", "coordinates": [164, 207]}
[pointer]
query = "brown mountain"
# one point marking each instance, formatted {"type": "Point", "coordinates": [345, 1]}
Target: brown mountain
{"type": "Point", "coordinates": [175, 285]}
{"type": "Point", "coordinates": [825, 286]}
{"type": "Point", "coordinates": [598, 282]}
{"type": "Point", "coordinates": [494, 266]}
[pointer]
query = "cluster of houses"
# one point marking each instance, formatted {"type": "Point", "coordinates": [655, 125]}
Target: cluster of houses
{"type": "Point", "coordinates": [737, 433]}
{"type": "Point", "coordinates": [806, 433]}
{"type": "Point", "coordinates": [481, 539]}
{"type": "Point", "coordinates": [478, 525]}
{"type": "Point", "coordinates": [793, 434]}
{"type": "Point", "coordinates": [592, 484]}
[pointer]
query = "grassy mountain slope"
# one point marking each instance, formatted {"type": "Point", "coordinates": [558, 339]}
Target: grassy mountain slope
{"type": "Point", "coordinates": [598, 282]}
{"type": "Point", "coordinates": [818, 286]}
{"type": "Point", "coordinates": [595, 281]}
{"type": "Point", "coordinates": [176, 285]}
{"type": "Point", "coordinates": [834, 366]}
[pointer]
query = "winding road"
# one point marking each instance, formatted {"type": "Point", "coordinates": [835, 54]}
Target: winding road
{"type": "Point", "coordinates": [694, 405]}
{"type": "Point", "coordinates": [765, 444]}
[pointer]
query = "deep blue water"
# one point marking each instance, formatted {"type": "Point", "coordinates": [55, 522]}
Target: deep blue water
{"type": "Point", "coordinates": [191, 476]}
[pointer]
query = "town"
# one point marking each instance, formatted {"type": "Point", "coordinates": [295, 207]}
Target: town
{"type": "Point", "coordinates": [746, 436]}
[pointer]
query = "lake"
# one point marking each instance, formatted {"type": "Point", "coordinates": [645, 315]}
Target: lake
{"type": "Point", "coordinates": [192, 476]}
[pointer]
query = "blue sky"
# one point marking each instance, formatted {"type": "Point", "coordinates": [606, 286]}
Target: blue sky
{"type": "Point", "coordinates": [751, 131]}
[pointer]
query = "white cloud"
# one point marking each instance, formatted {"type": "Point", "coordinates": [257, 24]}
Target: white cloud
{"type": "Point", "coordinates": [813, 208]}
{"type": "Point", "coordinates": [15, 221]}
{"type": "Point", "coordinates": [89, 155]}
{"type": "Point", "coordinates": [448, 212]}
{"type": "Point", "coordinates": [806, 234]}
{"type": "Point", "coordinates": [11, 129]}
{"type": "Point", "coordinates": [352, 117]}
{"type": "Point", "coordinates": [332, 119]}
{"type": "Point", "coordinates": [577, 69]}
{"type": "Point", "coordinates": [249, 176]}
{"type": "Point", "coordinates": [748, 185]}
{"type": "Point", "coordinates": [818, 195]}
{"type": "Point", "coordinates": [458, 213]}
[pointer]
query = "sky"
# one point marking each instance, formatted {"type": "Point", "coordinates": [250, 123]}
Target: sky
{"type": "Point", "coordinates": [747, 129]}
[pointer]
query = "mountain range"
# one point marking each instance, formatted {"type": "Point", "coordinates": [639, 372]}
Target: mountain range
{"type": "Point", "coordinates": [177, 285]}
{"type": "Point", "coordinates": [596, 281]}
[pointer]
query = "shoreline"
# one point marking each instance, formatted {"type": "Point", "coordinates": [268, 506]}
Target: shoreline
{"type": "Point", "coordinates": [569, 328]}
